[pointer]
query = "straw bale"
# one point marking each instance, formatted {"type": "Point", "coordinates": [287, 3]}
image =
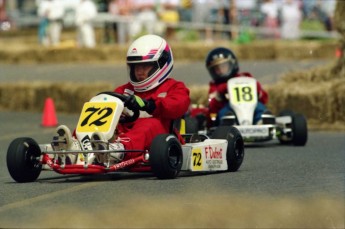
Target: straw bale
{"type": "Point", "coordinates": [68, 98]}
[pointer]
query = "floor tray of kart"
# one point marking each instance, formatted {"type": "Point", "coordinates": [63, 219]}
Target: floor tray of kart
{"type": "Point", "coordinates": [168, 154]}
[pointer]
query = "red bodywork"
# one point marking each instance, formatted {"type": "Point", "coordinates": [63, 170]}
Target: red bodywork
{"type": "Point", "coordinates": [136, 164]}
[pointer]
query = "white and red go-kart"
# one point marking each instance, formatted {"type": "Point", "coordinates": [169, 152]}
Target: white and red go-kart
{"type": "Point", "coordinates": [223, 151]}
{"type": "Point", "coordinates": [288, 127]}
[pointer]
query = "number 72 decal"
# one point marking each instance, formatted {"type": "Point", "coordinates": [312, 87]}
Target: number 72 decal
{"type": "Point", "coordinates": [96, 117]}
{"type": "Point", "coordinates": [197, 159]}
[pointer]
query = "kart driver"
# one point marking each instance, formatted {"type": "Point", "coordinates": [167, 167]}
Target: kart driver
{"type": "Point", "coordinates": [160, 99]}
{"type": "Point", "coordinates": [150, 89]}
{"type": "Point", "coordinates": [222, 65]}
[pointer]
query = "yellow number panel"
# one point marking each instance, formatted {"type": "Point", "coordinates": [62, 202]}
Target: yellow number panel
{"type": "Point", "coordinates": [242, 94]}
{"type": "Point", "coordinates": [197, 159]}
{"type": "Point", "coordinates": [96, 116]}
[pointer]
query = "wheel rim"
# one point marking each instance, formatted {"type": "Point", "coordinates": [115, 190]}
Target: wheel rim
{"type": "Point", "coordinates": [239, 152]}
{"type": "Point", "coordinates": [174, 156]}
{"type": "Point", "coordinates": [30, 158]}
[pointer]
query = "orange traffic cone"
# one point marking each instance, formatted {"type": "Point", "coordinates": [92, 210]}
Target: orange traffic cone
{"type": "Point", "coordinates": [49, 116]}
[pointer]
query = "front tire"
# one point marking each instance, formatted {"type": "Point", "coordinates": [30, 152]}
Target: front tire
{"type": "Point", "coordinates": [23, 160]}
{"type": "Point", "coordinates": [166, 156]}
{"type": "Point", "coordinates": [235, 150]}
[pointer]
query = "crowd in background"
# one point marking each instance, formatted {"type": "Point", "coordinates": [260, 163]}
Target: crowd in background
{"type": "Point", "coordinates": [275, 18]}
{"type": "Point", "coordinates": [212, 19]}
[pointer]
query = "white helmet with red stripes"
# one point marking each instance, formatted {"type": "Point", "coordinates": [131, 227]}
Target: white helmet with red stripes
{"type": "Point", "coordinates": [151, 49]}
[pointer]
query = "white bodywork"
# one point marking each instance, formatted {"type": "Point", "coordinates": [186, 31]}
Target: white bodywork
{"type": "Point", "coordinates": [100, 114]}
{"type": "Point", "coordinates": [243, 100]}
{"type": "Point", "coordinates": [209, 155]}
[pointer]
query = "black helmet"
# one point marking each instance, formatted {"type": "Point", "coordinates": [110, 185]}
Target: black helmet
{"type": "Point", "coordinates": [222, 64]}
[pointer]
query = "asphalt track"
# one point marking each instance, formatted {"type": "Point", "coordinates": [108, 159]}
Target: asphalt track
{"type": "Point", "coordinates": [276, 187]}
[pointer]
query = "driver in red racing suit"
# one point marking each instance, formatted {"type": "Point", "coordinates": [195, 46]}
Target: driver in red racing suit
{"type": "Point", "coordinates": [150, 89]}
{"type": "Point", "coordinates": [222, 65]}
{"type": "Point", "coordinates": [159, 98]}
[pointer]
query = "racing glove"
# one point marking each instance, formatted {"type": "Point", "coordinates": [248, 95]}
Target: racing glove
{"type": "Point", "coordinates": [134, 102]}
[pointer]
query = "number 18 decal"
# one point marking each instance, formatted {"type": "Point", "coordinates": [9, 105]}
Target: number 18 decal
{"type": "Point", "coordinates": [96, 117]}
{"type": "Point", "coordinates": [242, 94]}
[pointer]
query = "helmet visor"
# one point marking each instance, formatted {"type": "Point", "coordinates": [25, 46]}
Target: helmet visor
{"type": "Point", "coordinates": [222, 68]}
{"type": "Point", "coordinates": [141, 71]}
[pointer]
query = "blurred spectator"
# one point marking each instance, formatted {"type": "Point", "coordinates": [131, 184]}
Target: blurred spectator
{"type": "Point", "coordinates": [145, 18]}
{"type": "Point", "coordinates": [121, 10]}
{"type": "Point", "coordinates": [206, 12]}
{"type": "Point", "coordinates": [3, 15]}
{"type": "Point", "coordinates": [42, 12]}
{"type": "Point", "coordinates": [291, 17]}
{"type": "Point", "coordinates": [5, 23]}
{"type": "Point", "coordinates": [86, 11]}
{"type": "Point", "coordinates": [185, 10]}
{"type": "Point", "coordinates": [226, 15]}
{"type": "Point", "coordinates": [168, 13]}
{"type": "Point", "coordinates": [20, 5]}
{"type": "Point", "coordinates": [246, 12]}
{"type": "Point", "coordinates": [245, 16]}
{"type": "Point", "coordinates": [325, 10]}
{"type": "Point", "coordinates": [270, 10]}
{"type": "Point", "coordinates": [308, 8]}
{"type": "Point", "coordinates": [53, 10]}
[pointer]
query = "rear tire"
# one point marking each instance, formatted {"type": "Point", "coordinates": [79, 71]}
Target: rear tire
{"type": "Point", "coordinates": [23, 160]}
{"type": "Point", "coordinates": [287, 140]}
{"type": "Point", "coordinates": [166, 156]}
{"type": "Point", "coordinates": [235, 150]}
{"type": "Point", "coordinates": [299, 129]}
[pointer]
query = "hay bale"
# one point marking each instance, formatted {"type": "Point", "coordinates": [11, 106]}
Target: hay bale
{"type": "Point", "coordinates": [68, 98]}
{"type": "Point", "coordinates": [199, 94]}
{"type": "Point", "coordinates": [299, 50]}
{"type": "Point", "coordinates": [323, 102]}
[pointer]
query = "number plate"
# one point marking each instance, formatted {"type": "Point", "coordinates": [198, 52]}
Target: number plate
{"type": "Point", "coordinates": [96, 116]}
{"type": "Point", "coordinates": [242, 93]}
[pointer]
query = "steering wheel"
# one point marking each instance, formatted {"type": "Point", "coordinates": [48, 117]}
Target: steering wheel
{"type": "Point", "coordinates": [123, 98]}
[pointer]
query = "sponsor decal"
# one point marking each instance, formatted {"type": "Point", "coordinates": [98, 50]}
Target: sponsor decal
{"type": "Point", "coordinates": [162, 95]}
{"type": "Point", "coordinates": [255, 131]}
{"type": "Point", "coordinates": [124, 164]}
{"type": "Point", "coordinates": [134, 51]}
{"type": "Point", "coordinates": [85, 143]}
{"type": "Point", "coordinates": [214, 157]}
{"type": "Point", "coordinates": [214, 164]}
{"type": "Point", "coordinates": [213, 152]}
{"type": "Point", "coordinates": [128, 92]}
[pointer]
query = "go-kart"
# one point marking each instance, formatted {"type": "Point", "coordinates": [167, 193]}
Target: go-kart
{"type": "Point", "coordinates": [168, 154]}
{"type": "Point", "coordinates": [288, 127]}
